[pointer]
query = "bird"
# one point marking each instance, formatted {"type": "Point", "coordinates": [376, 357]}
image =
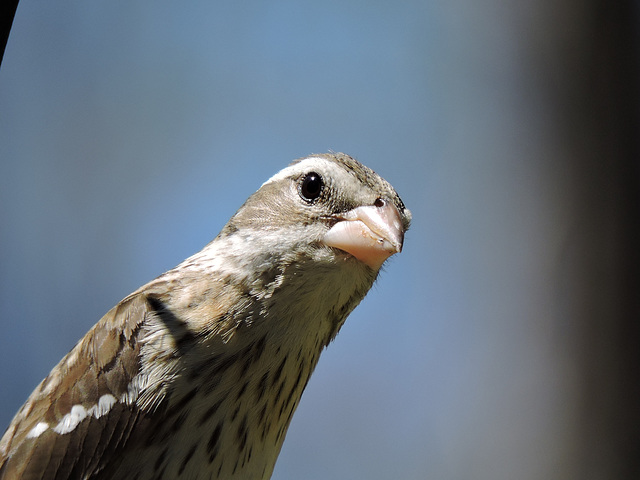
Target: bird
{"type": "Point", "coordinates": [197, 374]}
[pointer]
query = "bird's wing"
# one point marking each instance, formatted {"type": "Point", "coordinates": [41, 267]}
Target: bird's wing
{"type": "Point", "coordinates": [77, 417]}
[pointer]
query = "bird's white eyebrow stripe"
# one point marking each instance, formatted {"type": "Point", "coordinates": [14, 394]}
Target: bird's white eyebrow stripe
{"type": "Point", "coordinates": [78, 413]}
{"type": "Point", "coordinates": [300, 167]}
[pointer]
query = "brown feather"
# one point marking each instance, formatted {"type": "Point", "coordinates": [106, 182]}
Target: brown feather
{"type": "Point", "coordinates": [103, 362]}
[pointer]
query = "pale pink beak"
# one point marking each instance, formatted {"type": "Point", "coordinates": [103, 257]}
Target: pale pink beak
{"type": "Point", "coordinates": [371, 234]}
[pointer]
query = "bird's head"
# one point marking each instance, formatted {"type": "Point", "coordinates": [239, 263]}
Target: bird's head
{"type": "Point", "coordinates": [328, 208]}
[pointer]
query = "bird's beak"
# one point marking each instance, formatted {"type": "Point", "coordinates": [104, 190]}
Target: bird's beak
{"type": "Point", "coordinates": [370, 233]}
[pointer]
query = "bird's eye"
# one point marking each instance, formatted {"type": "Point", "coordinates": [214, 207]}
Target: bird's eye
{"type": "Point", "coordinates": [311, 186]}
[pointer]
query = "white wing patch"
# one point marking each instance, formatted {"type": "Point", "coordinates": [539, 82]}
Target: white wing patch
{"type": "Point", "coordinates": [38, 430]}
{"type": "Point", "coordinates": [71, 420]}
{"type": "Point", "coordinates": [77, 414]}
{"type": "Point", "coordinates": [104, 405]}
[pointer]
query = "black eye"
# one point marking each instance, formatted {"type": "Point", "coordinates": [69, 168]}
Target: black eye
{"type": "Point", "coordinates": [311, 186]}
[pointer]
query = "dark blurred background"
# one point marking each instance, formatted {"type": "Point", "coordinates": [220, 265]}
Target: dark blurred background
{"type": "Point", "coordinates": [502, 343]}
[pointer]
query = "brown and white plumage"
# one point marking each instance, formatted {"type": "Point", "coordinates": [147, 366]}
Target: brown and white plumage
{"type": "Point", "coordinates": [197, 374]}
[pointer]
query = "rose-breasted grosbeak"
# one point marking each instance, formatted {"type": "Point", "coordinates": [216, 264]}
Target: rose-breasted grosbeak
{"type": "Point", "coordinates": [197, 374]}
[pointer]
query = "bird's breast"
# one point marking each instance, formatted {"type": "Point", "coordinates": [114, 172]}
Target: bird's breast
{"type": "Point", "coordinates": [227, 414]}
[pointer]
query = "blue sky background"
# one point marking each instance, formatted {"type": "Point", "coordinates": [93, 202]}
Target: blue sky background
{"type": "Point", "coordinates": [131, 131]}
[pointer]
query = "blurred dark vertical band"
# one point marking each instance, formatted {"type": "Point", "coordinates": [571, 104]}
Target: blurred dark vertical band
{"type": "Point", "coordinates": [7, 12]}
{"type": "Point", "coordinates": [605, 137]}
